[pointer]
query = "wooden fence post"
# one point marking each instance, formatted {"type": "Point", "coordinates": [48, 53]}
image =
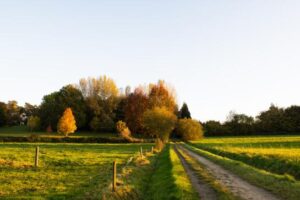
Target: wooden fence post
{"type": "Point", "coordinates": [36, 163]}
{"type": "Point", "coordinates": [141, 152]}
{"type": "Point", "coordinates": [114, 186]}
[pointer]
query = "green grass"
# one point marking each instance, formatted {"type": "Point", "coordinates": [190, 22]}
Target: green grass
{"type": "Point", "coordinates": [279, 154]}
{"type": "Point", "coordinates": [169, 180]}
{"type": "Point", "coordinates": [281, 185]}
{"type": "Point", "coordinates": [66, 171]}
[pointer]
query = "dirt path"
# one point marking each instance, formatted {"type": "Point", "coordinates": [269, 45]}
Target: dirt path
{"type": "Point", "coordinates": [238, 186]}
{"type": "Point", "coordinates": [204, 191]}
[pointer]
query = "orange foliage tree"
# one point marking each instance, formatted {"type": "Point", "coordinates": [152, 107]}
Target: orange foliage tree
{"type": "Point", "coordinates": [67, 123]}
{"type": "Point", "coordinates": [136, 105]}
{"type": "Point", "coordinates": [162, 95]}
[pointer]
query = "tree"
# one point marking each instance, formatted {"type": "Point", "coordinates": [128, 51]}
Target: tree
{"type": "Point", "coordinates": [162, 95]}
{"type": "Point", "coordinates": [184, 112]}
{"type": "Point", "coordinates": [101, 97]}
{"type": "Point", "coordinates": [136, 105]}
{"type": "Point", "coordinates": [102, 122]}
{"type": "Point", "coordinates": [292, 119]}
{"type": "Point", "coordinates": [120, 109]}
{"type": "Point", "coordinates": [271, 121]}
{"type": "Point", "coordinates": [214, 128]}
{"type": "Point", "coordinates": [3, 114]}
{"type": "Point", "coordinates": [13, 111]}
{"type": "Point", "coordinates": [31, 110]}
{"type": "Point", "coordinates": [34, 123]}
{"type": "Point", "coordinates": [159, 122]}
{"type": "Point", "coordinates": [67, 123]}
{"type": "Point", "coordinates": [55, 103]}
{"type": "Point", "coordinates": [239, 124]}
{"type": "Point", "coordinates": [189, 129]}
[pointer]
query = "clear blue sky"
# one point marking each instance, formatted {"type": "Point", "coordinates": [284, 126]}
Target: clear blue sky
{"type": "Point", "coordinates": [220, 55]}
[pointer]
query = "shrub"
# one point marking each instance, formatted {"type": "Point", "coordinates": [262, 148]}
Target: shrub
{"type": "Point", "coordinates": [159, 122]}
{"type": "Point", "coordinates": [123, 130]}
{"type": "Point", "coordinates": [189, 129]}
{"type": "Point", "coordinates": [34, 123]}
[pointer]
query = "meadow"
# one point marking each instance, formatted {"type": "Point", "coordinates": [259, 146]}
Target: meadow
{"type": "Point", "coordinates": [278, 154]}
{"type": "Point", "coordinates": [65, 171]}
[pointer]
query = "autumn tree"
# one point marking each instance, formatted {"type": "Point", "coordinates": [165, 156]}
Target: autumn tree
{"type": "Point", "coordinates": [159, 122]}
{"type": "Point", "coordinates": [162, 95]}
{"type": "Point", "coordinates": [101, 97]}
{"type": "Point", "coordinates": [34, 123]}
{"type": "Point", "coordinates": [136, 105]}
{"type": "Point", "coordinates": [67, 123]}
{"type": "Point", "coordinates": [189, 129]}
{"type": "Point", "coordinates": [184, 112]}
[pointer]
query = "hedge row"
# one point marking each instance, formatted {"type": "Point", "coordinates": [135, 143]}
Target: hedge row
{"type": "Point", "coordinates": [35, 138]}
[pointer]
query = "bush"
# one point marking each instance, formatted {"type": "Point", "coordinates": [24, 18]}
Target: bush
{"type": "Point", "coordinates": [34, 123]}
{"type": "Point", "coordinates": [159, 122]}
{"type": "Point", "coordinates": [189, 129]}
{"type": "Point", "coordinates": [123, 130]}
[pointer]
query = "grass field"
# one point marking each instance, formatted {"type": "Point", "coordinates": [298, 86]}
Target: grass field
{"type": "Point", "coordinates": [280, 154]}
{"type": "Point", "coordinates": [272, 163]}
{"type": "Point", "coordinates": [83, 171]}
{"type": "Point", "coordinates": [66, 171]}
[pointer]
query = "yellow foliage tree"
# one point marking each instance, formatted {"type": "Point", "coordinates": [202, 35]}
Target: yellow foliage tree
{"type": "Point", "coordinates": [67, 123]}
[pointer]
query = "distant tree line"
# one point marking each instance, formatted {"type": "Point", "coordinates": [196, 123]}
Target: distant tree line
{"type": "Point", "coordinates": [99, 105]}
{"type": "Point", "coordinates": [273, 121]}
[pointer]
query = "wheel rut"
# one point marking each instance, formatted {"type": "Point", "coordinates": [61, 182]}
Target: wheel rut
{"type": "Point", "coordinates": [204, 191]}
{"type": "Point", "coordinates": [234, 183]}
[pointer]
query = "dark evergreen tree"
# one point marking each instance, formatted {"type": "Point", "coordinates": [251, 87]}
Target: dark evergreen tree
{"type": "Point", "coordinates": [184, 112]}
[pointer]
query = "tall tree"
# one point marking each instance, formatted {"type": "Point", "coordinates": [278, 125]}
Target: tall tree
{"type": "Point", "coordinates": [13, 113]}
{"type": "Point", "coordinates": [271, 121]}
{"type": "Point", "coordinates": [136, 105]}
{"type": "Point", "coordinates": [184, 112]}
{"type": "Point", "coordinates": [67, 123]}
{"type": "Point", "coordinates": [159, 122]}
{"type": "Point", "coordinates": [55, 103]}
{"type": "Point", "coordinates": [162, 95]}
{"type": "Point", "coordinates": [3, 114]}
{"type": "Point", "coordinates": [292, 119]}
{"type": "Point", "coordinates": [101, 96]}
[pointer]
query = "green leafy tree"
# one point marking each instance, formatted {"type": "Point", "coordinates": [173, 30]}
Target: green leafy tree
{"type": "Point", "coordinates": [159, 122]}
{"type": "Point", "coordinates": [271, 121]}
{"type": "Point", "coordinates": [101, 97]}
{"type": "Point", "coordinates": [214, 128]}
{"type": "Point", "coordinates": [55, 103]}
{"type": "Point", "coordinates": [13, 113]}
{"type": "Point", "coordinates": [189, 129]}
{"type": "Point", "coordinates": [239, 124]}
{"type": "Point", "coordinates": [3, 114]}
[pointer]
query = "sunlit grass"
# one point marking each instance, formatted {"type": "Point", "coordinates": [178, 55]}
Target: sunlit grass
{"type": "Point", "coordinates": [65, 170]}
